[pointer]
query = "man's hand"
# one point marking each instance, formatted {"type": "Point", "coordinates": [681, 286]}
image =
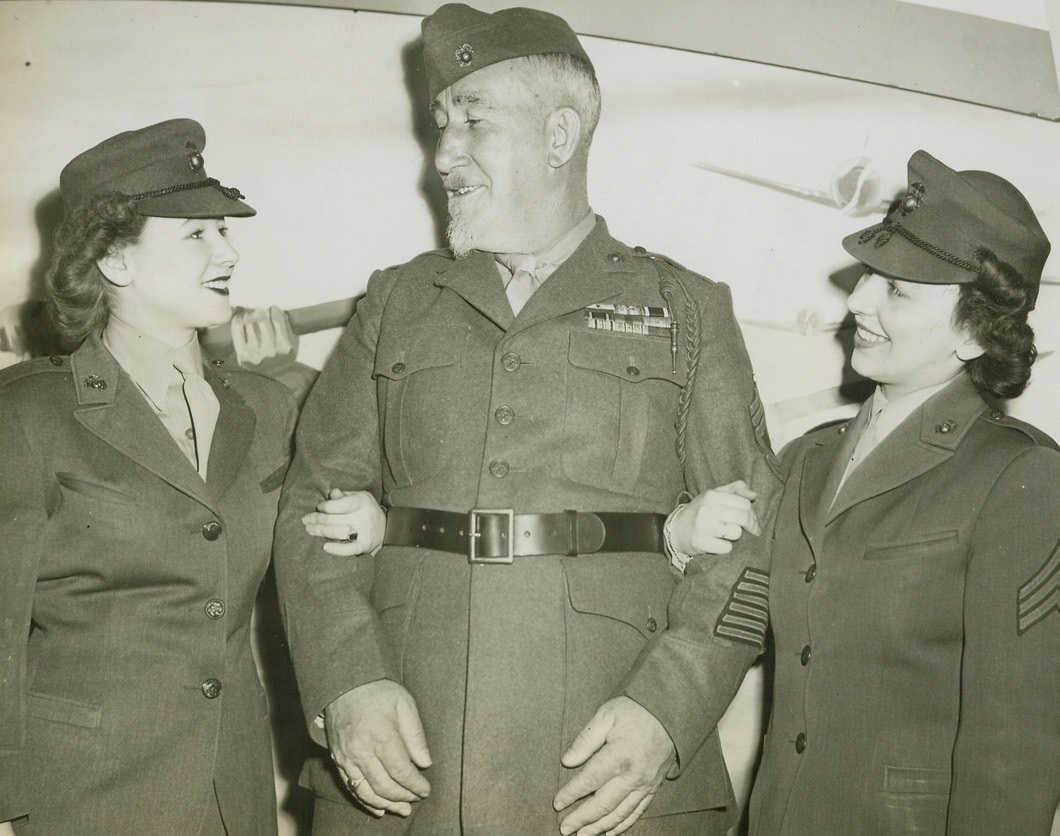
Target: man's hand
{"type": "Point", "coordinates": [627, 753]}
{"type": "Point", "coordinates": [377, 742]}
{"type": "Point", "coordinates": [715, 519]}
{"type": "Point", "coordinates": [353, 522]}
{"type": "Point", "coordinates": [6, 829]}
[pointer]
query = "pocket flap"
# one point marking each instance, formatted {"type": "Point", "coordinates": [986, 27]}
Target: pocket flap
{"type": "Point", "coordinates": [639, 601]}
{"type": "Point", "coordinates": [97, 490]}
{"type": "Point", "coordinates": [420, 355]}
{"type": "Point", "coordinates": [62, 710]}
{"type": "Point", "coordinates": [916, 779]}
{"type": "Point", "coordinates": [631, 357]}
{"type": "Point", "coordinates": [926, 546]}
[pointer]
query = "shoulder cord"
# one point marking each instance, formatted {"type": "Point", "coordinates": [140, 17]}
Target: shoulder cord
{"type": "Point", "coordinates": [668, 285]}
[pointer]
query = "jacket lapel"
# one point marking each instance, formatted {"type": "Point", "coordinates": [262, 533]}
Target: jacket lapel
{"type": "Point", "coordinates": [592, 274]}
{"type": "Point", "coordinates": [476, 280]}
{"type": "Point", "coordinates": [232, 436]}
{"type": "Point", "coordinates": [111, 407]}
{"type": "Point", "coordinates": [924, 440]}
{"type": "Point", "coordinates": [822, 469]}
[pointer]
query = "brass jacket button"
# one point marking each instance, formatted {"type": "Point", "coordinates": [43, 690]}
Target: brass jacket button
{"type": "Point", "coordinates": [211, 688]}
{"type": "Point", "coordinates": [397, 368]}
{"type": "Point", "coordinates": [800, 743]}
{"type": "Point", "coordinates": [212, 530]}
{"type": "Point", "coordinates": [652, 625]}
{"type": "Point", "coordinates": [499, 468]}
{"type": "Point", "coordinates": [511, 361]}
{"type": "Point", "coordinates": [214, 608]}
{"type": "Point", "coordinates": [504, 414]}
{"type": "Point", "coordinates": [804, 657]}
{"type": "Point", "coordinates": [811, 573]}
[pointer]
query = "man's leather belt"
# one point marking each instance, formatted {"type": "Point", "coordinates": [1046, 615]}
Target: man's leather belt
{"type": "Point", "coordinates": [496, 536]}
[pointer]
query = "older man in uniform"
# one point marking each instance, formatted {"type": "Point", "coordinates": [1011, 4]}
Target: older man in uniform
{"type": "Point", "coordinates": [517, 655]}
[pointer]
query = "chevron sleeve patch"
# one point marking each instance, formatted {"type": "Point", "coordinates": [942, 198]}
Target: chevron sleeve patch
{"type": "Point", "coordinates": [746, 615]}
{"type": "Point", "coordinates": [1039, 597]}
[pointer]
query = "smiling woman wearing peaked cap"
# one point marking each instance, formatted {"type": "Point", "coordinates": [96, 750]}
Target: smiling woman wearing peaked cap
{"type": "Point", "coordinates": [137, 500]}
{"type": "Point", "coordinates": [915, 571]}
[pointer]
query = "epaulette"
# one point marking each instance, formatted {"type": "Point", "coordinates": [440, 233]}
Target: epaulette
{"type": "Point", "coordinates": [38, 365]}
{"type": "Point", "coordinates": [1040, 438]}
{"type": "Point", "coordinates": [641, 252]}
{"type": "Point", "coordinates": [428, 256]}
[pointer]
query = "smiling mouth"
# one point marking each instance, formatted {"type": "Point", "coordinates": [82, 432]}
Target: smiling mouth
{"type": "Point", "coordinates": [217, 286]}
{"type": "Point", "coordinates": [461, 191]}
{"type": "Point", "coordinates": [867, 337]}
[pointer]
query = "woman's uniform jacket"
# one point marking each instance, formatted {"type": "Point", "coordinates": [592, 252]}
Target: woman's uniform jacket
{"type": "Point", "coordinates": [128, 692]}
{"type": "Point", "coordinates": [436, 397]}
{"type": "Point", "coordinates": [917, 628]}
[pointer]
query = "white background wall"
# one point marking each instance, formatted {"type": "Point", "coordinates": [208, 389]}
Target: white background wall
{"type": "Point", "coordinates": [317, 116]}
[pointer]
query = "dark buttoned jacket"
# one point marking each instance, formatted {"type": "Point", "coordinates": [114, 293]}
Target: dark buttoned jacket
{"type": "Point", "coordinates": [436, 397]}
{"type": "Point", "coordinates": [917, 626]}
{"type": "Point", "coordinates": [128, 693]}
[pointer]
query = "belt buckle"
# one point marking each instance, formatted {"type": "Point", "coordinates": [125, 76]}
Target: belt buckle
{"type": "Point", "coordinates": [473, 534]}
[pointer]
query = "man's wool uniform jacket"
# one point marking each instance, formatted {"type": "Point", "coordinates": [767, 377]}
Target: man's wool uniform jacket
{"type": "Point", "coordinates": [436, 397]}
{"type": "Point", "coordinates": [917, 630]}
{"type": "Point", "coordinates": [128, 692]}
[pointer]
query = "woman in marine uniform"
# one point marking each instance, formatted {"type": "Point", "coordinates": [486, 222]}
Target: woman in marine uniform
{"type": "Point", "coordinates": [915, 583]}
{"type": "Point", "coordinates": [137, 501]}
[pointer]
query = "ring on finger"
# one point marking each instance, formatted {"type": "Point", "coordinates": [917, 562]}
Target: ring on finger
{"type": "Point", "coordinates": [353, 782]}
{"type": "Point", "coordinates": [349, 538]}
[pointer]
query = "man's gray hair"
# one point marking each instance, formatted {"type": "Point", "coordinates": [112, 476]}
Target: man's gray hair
{"type": "Point", "coordinates": [565, 81]}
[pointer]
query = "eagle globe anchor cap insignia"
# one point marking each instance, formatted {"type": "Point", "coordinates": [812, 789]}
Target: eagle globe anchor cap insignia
{"type": "Point", "coordinates": [464, 55]}
{"type": "Point", "coordinates": [195, 160]}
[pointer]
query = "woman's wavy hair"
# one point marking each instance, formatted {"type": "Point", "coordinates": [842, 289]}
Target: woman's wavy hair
{"type": "Point", "coordinates": [993, 309]}
{"type": "Point", "coordinates": [77, 292]}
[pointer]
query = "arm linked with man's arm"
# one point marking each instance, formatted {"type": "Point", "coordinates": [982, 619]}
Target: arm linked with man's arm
{"type": "Point", "coordinates": [688, 676]}
{"type": "Point", "coordinates": [332, 630]}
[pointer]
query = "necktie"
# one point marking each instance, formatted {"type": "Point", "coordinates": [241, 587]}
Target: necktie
{"type": "Point", "coordinates": [523, 283]}
{"type": "Point", "coordinates": [195, 398]}
{"type": "Point", "coordinates": [868, 441]}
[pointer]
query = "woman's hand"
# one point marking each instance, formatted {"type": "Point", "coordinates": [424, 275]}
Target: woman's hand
{"type": "Point", "coordinates": [263, 339]}
{"type": "Point", "coordinates": [352, 521]}
{"type": "Point", "coordinates": [714, 520]}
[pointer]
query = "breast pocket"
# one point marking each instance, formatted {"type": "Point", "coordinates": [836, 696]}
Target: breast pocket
{"type": "Point", "coordinates": [922, 581]}
{"type": "Point", "coordinates": [619, 430]}
{"type": "Point", "coordinates": [419, 392]}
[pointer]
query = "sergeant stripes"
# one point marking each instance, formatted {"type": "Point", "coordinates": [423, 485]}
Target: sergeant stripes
{"type": "Point", "coordinates": [746, 615]}
{"type": "Point", "coordinates": [1039, 596]}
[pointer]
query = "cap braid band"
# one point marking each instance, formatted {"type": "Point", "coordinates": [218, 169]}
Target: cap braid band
{"type": "Point", "coordinates": [887, 228]}
{"type": "Point", "coordinates": [230, 193]}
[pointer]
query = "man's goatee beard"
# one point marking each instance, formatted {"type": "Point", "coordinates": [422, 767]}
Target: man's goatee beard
{"type": "Point", "coordinates": [461, 240]}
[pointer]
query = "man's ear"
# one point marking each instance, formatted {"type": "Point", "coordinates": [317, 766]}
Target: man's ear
{"type": "Point", "coordinates": [114, 268]}
{"type": "Point", "coordinates": [564, 136]}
